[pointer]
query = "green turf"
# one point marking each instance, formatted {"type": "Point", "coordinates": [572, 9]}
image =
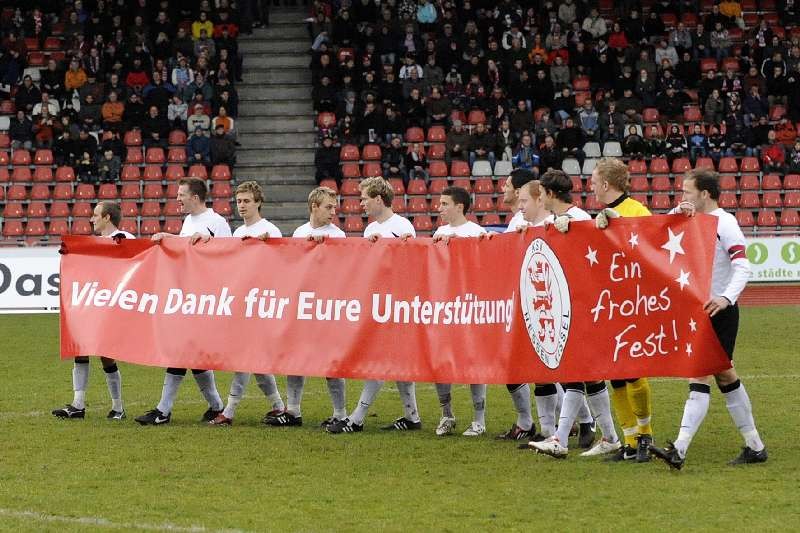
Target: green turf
{"type": "Point", "coordinates": [77, 475]}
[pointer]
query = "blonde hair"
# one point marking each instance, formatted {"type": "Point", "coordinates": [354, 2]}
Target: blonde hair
{"type": "Point", "coordinates": [534, 188]}
{"type": "Point", "coordinates": [615, 172]}
{"type": "Point", "coordinates": [253, 188]}
{"type": "Point", "coordinates": [377, 186]}
{"type": "Point", "coordinates": [318, 195]}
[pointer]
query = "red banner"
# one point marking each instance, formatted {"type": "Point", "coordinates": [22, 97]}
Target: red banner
{"type": "Point", "coordinates": [535, 307]}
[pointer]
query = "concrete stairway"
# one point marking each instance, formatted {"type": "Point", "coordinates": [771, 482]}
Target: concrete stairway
{"type": "Point", "coordinates": [276, 120]}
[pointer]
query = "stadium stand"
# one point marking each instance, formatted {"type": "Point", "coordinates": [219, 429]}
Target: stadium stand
{"type": "Point", "coordinates": [667, 92]}
{"type": "Point", "coordinates": [95, 104]}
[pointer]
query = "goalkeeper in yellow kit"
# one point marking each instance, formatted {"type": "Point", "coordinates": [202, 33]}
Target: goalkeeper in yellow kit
{"type": "Point", "coordinates": [631, 398]}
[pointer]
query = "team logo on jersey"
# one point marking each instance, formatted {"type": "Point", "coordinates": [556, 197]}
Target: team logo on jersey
{"type": "Point", "coordinates": [546, 307]}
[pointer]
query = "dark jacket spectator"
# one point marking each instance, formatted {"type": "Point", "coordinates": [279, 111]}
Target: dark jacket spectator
{"type": "Point", "coordinates": [198, 148]}
{"type": "Point", "coordinates": [326, 161]}
{"type": "Point", "coordinates": [21, 132]}
{"type": "Point", "coordinates": [223, 149]}
{"type": "Point", "coordinates": [108, 166]}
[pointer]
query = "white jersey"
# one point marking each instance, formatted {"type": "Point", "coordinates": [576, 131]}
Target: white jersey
{"type": "Point", "coordinates": [121, 233]}
{"type": "Point", "coordinates": [468, 229]}
{"type": "Point", "coordinates": [327, 231]}
{"type": "Point", "coordinates": [731, 269]}
{"type": "Point", "coordinates": [516, 222]}
{"type": "Point", "coordinates": [513, 226]}
{"type": "Point", "coordinates": [576, 213]}
{"type": "Point", "coordinates": [396, 226]}
{"type": "Point", "coordinates": [259, 228]}
{"type": "Point", "coordinates": [206, 223]}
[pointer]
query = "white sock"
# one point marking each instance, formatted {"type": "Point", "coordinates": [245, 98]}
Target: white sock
{"type": "Point", "coordinates": [478, 403]}
{"type": "Point", "coordinates": [268, 385]}
{"type": "Point", "coordinates": [408, 395]}
{"type": "Point", "coordinates": [169, 391]}
{"type": "Point", "coordinates": [336, 388]}
{"type": "Point", "coordinates": [570, 406]}
{"type": "Point", "coordinates": [294, 394]}
{"type": "Point", "coordinates": [238, 386]}
{"type": "Point", "coordinates": [80, 378]}
{"type": "Point", "coordinates": [559, 397]}
{"type": "Point", "coordinates": [114, 383]}
{"type": "Point", "coordinates": [445, 398]}
{"type": "Point", "coordinates": [600, 404]}
{"type": "Point", "coordinates": [738, 403]}
{"type": "Point", "coordinates": [522, 403]}
{"type": "Point", "coordinates": [368, 395]}
{"type": "Point", "coordinates": [208, 387]}
{"type": "Point", "coordinates": [694, 411]}
{"type": "Point", "coordinates": [546, 409]}
{"type": "Point", "coordinates": [584, 414]}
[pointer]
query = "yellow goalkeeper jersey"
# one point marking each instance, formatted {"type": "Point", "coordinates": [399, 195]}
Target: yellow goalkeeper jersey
{"type": "Point", "coordinates": [628, 207]}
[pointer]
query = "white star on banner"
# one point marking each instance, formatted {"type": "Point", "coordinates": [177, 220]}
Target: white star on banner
{"type": "Point", "coordinates": [634, 240]}
{"type": "Point", "coordinates": [683, 279]}
{"type": "Point", "coordinates": [692, 324]}
{"type": "Point", "coordinates": [688, 349]}
{"type": "Point", "coordinates": [673, 244]}
{"type": "Point", "coordinates": [592, 256]}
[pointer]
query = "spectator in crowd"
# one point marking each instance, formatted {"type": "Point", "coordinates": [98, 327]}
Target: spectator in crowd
{"type": "Point", "coordinates": [773, 154]}
{"type": "Point", "coordinates": [28, 95]}
{"type": "Point", "coordinates": [785, 132]}
{"type": "Point", "coordinates": [177, 112]}
{"type": "Point", "coordinates": [200, 119]}
{"type": "Point", "coordinates": [112, 112]}
{"type": "Point", "coordinates": [589, 119]}
{"type": "Point", "coordinates": [570, 141]}
{"type": "Point", "coordinates": [634, 145]}
{"type": "Point", "coordinates": [21, 132]}
{"type": "Point", "coordinates": [64, 148]}
{"type": "Point", "coordinates": [45, 129]}
{"type": "Point", "coordinates": [228, 124]}
{"type": "Point", "coordinates": [481, 146]}
{"type": "Point", "coordinates": [155, 131]}
{"type": "Point", "coordinates": [50, 105]}
{"type": "Point", "coordinates": [716, 145]}
{"type": "Point", "coordinates": [754, 106]}
{"type": "Point", "coordinates": [393, 159]}
{"type": "Point", "coordinates": [198, 147]}
{"type": "Point", "coordinates": [108, 166]}
{"type": "Point", "coordinates": [525, 155]}
{"type": "Point", "coordinates": [86, 168]}
{"type": "Point", "coordinates": [326, 162]}
{"type": "Point", "coordinates": [457, 143]}
{"type": "Point", "coordinates": [698, 143]}
{"type": "Point", "coordinates": [505, 141]}
{"type": "Point", "coordinates": [675, 144]}
{"type": "Point", "coordinates": [793, 159]}
{"type": "Point", "coordinates": [657, 147]}
{"type": "Point", "coordinates": [223, 148]}
{"type": "Point", "coordinates": [720, 41]}
{"type": "Point", "coordinates": [714, 108]}
{"type": "Point", "coordinates": [416, 162]}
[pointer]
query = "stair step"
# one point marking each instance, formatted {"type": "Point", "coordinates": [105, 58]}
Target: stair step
{"type": "Point", "coordinates": [287, 210]}
{"type": "Point", "coordinates": [272, 124]}
{"type": "Point", "coordinates": [286, 193]}
{"type": "Point", "coordinates": [279, 175]}
{"type": "Point", "coordinates": [277, 76]}
{"type": "Point", "coordinates": [294, 30]}
{"type": "Point", "coordinates": [276, 46]}
{"type": "Point", "coordinates": [274, 92]}
{"type": "Point", "coordinates": [277, 140]}
{"type": "Point", "coordinates": [288, 226]}
{"type": "Point", "coordinates": [279, 61]}
{"type": "Point", "coordinates": [284, 16]}
{"type": "Point", "coordinates": [281, 156]}
{"type": "Point", "coordinates": [279, 108]}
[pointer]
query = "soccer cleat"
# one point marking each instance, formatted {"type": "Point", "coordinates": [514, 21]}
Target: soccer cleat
{"type": "Point", "coordinates": [644, 442]}
{"type": "Point", "coordinates": [446, 426]}
{"type": "Point", "coordinates": [516, 433]}
{"type": "Point", "coordinates": [551, 447]}
{"type": "Point", "coordinates": [602, 447]}
{"type": "Point", "coordinates": [344, 426]}
{"type": "Point", "coordinates": [68, 411]}
{"type": "Point", "coordinates": [403, 424]}
{"type": "Point", "coordinates": [328, 421]}
{"type": "Point", "coordinates": [586, 434]}
{"type": "Point", "coordinates": [669, 455]}
{"type": "Point", "coordinates": [750, 456]}
{"type": "Point", "coordinates": [221, 420]}
{"type": "Point", "coordinates": [210, 415]}
{"type": "Point", "coordinates": [284, 419]}
{"type": "Point", "coordinates": [154, 418]}
{"type": "Point", "coordinates": [626, 453]}
{"type": "Point", "coordinates": [474, 430]}
{"type": "Point", "coordinates": [115, 415]}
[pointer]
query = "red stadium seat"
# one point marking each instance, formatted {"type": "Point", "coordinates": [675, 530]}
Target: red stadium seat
{"type": "Point", "coordinates": [730, 63]}
{"type": "Point", "coordinates": [750, 164]}
{"type": "Point", "coordinates": [745, 219]}
{"type": "Point", "coordinates": [581, 83]}
{"type": "Point", "coordinates": [399, 205]}
{"type": "Point", "coordinates": [436, 151]}
{"type": "Point", "coordinates": [476, 116]}
{"type": "Point", "coordinates": [637, 166]}
{"type": "Point", "coordinates": [130, 191]}
{"type": "Point", "coordinates": [107, 191]}
{"type": "Point", "coordinates": [484, 186]}
{"type": "Point", "coordinates": [84, 191]}
{"type": "Point", "coordinates": [40, 191]}
{"type": "Point", "coordinates": [592, 203]}
{"type": "Point", "coordinates": [437, 134]}
{"type": "Point", "coordinates": [152, 173]}
{"type": "Point", "coordinates": [659, 166]}
{"type": "Point", "coordinates": [650, 114]}
{"type": "Point", "coordinates": [220, 189]}
{"type": "Point", "coordinates": [43, 174]}
{"type": "Point", "coordinates": [81, 210]}
{"type": "Point", "coordinates": [4, 177]}
{"type": "Point", "coordinates": [4, 159]}
{"type": "Point", "coordinates": [708, 63]}
{"type": "Point", "coordinates": [81, 227]}
{"type": "Point", "coordinates": [129, 225]}
{"type": "Point", "coordinates": [62, 191]}
{"type": "Point", "coordinates": [133, 138]}
{"type": "Point", "coordinates": [331, 184]}
{"type": "Point", "coordinates": [660, 202]}
{"type": "Point", "coordinates": [417, 187]}
{"type": "Point", "coordinates": [791, 182]}
{"type": "Point", "coordinates": [772, 200]}
{"type": "Point", "coordinates": [20, 157]}
{"type": "Point", "coordinates": [727, 200]}
{"type": "Point", "coordinates": [35, 228]}
{"type": "Point", "coordinates": [177, 156]}
{"type": "Point", "coordinates": [129, 209]}
{"type": "Point", "coordinates": [37, 210]}
{"type": "Point", "coordinates": [151, 208]}
{"type": "Point", "coordinates": [351, 170]}
{"type": "Point", "coordinates": [43, 157]}
{"type": "Point", "coordinates": [371, 152]}
{"type": "Point", "coordinates": [13, 210]}
{"type": "Point", "coordinates": [17, 192]}
{"type": "Point", "coordinates": [155, 155]}
{"type": "Point", "coordinates": [223, 207]}
{"type": "Point", "coordinates": [174, 173]}
{"type": "Point", "coordinates": [13, 228]}
{"type": "Point", "coordinates": [417, 204]}
{"type": "Point", "coordinates": [639, 184]}
{"type": "Point", "coordinates": [177, 138]}
{"type": "Point", "coordinates": [21, 175]}
{"type": "Point", "coordinates": [792, 199]}
{"type": "Point", "coordinates": [372, 169]}
{"type": "Point", "coordinates": [350, 188]}
{"type": "Point", "coordinates": [776, 113]}
{"type": "Point", "coordinates": [704, 162]}
{"type": "Point", "coordinates": [661, 184]}
{"type": "Point", "coordinates": [58, 227]}
{"type": "Point", "coordinates": [766, 217]}
{"type": "Point", "coordinates": [415, 135]}
{"type": "Point", "coordinates": [484, 203]}
{"type": "Point", "coordinates": [353, 224]}
{"type": "Point", "coordinates": [7, 107]}
{"type": "Point", "coordinates": [172, 190]}
{"type": "Point", "coordinates": [436, 186]}
{"type": "Point", "coordinates": [36, 59]}
{"type": "Point", "coordinates": [134, 156]}
{"type": "Point", "coordinates": [150, 226]}
{"type": "Point", "coordinates": [681, 165]}
{"type": "Point", "coordinates": [771, 182]}
{"type": "Point", "coordinates": [5, 141]}
{"type": "Point", "coordinates": [464, 184]}
{"type": "Point", "coordinates": [349, 152]}
{"type": "Point", "coordinates": [397, 186]}
{"type": "Point", "coordinates": [326, 120]}
{"type": "Point", "coordinates": [172, 209]}
{"type": "Point", "coordinates": [197, 171]}
{"type": "Point", "coordinates": [58, 209]}
{"type": "Point", "coordinates": [749, 182]}
{"type": "Point", "coordinates": [460, 169]}
{"type": "Point", "coordinates": [577, 183]}
{"type": "Point", "coordinates": [153, 191]}
{"type": "Point", "coordinates": [790, 217]}
{"type": "Point", "coordinates": [749, 200]}
{"type": "Point", "coordinates": [422, 223]}
{"type": "Point", "coordinates": [130, 173]}
{"type": "Point", "coordinates": [437, 169]}
{"type": "Point", "coordinates": [727, 165]}
{"type": "Point", "coordinates": [641, 198]}
{"type": "Point", "coordinates": [350, 205]}
{"type": "Point", "coordinates": [220, 173]}
{"type": "Point", "coordinates": [727, 182]}
{"type": "Point", "coordinates": [491, 219]}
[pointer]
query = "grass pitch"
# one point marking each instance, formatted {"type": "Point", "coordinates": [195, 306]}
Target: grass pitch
{"type": "Point", "coordinates": [94, 474]}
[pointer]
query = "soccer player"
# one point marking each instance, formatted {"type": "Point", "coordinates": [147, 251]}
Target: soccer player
{"type": "Point", "coordinates": [249, 198]}
{"type": "Point", "coordinates": [729, 275]}
{"type": "Point", "coordinates": [322, 209]}
{"type": "Point", "coordinates": [376, 200]}
{"type": "Point", "coordinates": [557, 199]}
{"type": "Point", "coordinates": [454, 203]}
{"type": "Point", "coordinates": [105, 222]}
{"type": "Point", "coordinates": [631, 397]}
{"type": "Point", "coordinates": [199, 221]}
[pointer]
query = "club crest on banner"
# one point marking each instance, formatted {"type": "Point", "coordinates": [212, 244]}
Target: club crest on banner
{"type": "Point", "coordinates": [545, 299]}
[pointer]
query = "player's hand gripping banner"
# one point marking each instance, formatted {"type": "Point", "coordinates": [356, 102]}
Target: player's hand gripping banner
{"type": "Point", "coordinates": [535, 307]}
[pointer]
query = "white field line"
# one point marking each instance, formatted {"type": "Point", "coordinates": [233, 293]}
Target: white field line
{"type": "Point", "coordinates": [99, 522]}
{"type": "Point", "coordinates": [388, 387]}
